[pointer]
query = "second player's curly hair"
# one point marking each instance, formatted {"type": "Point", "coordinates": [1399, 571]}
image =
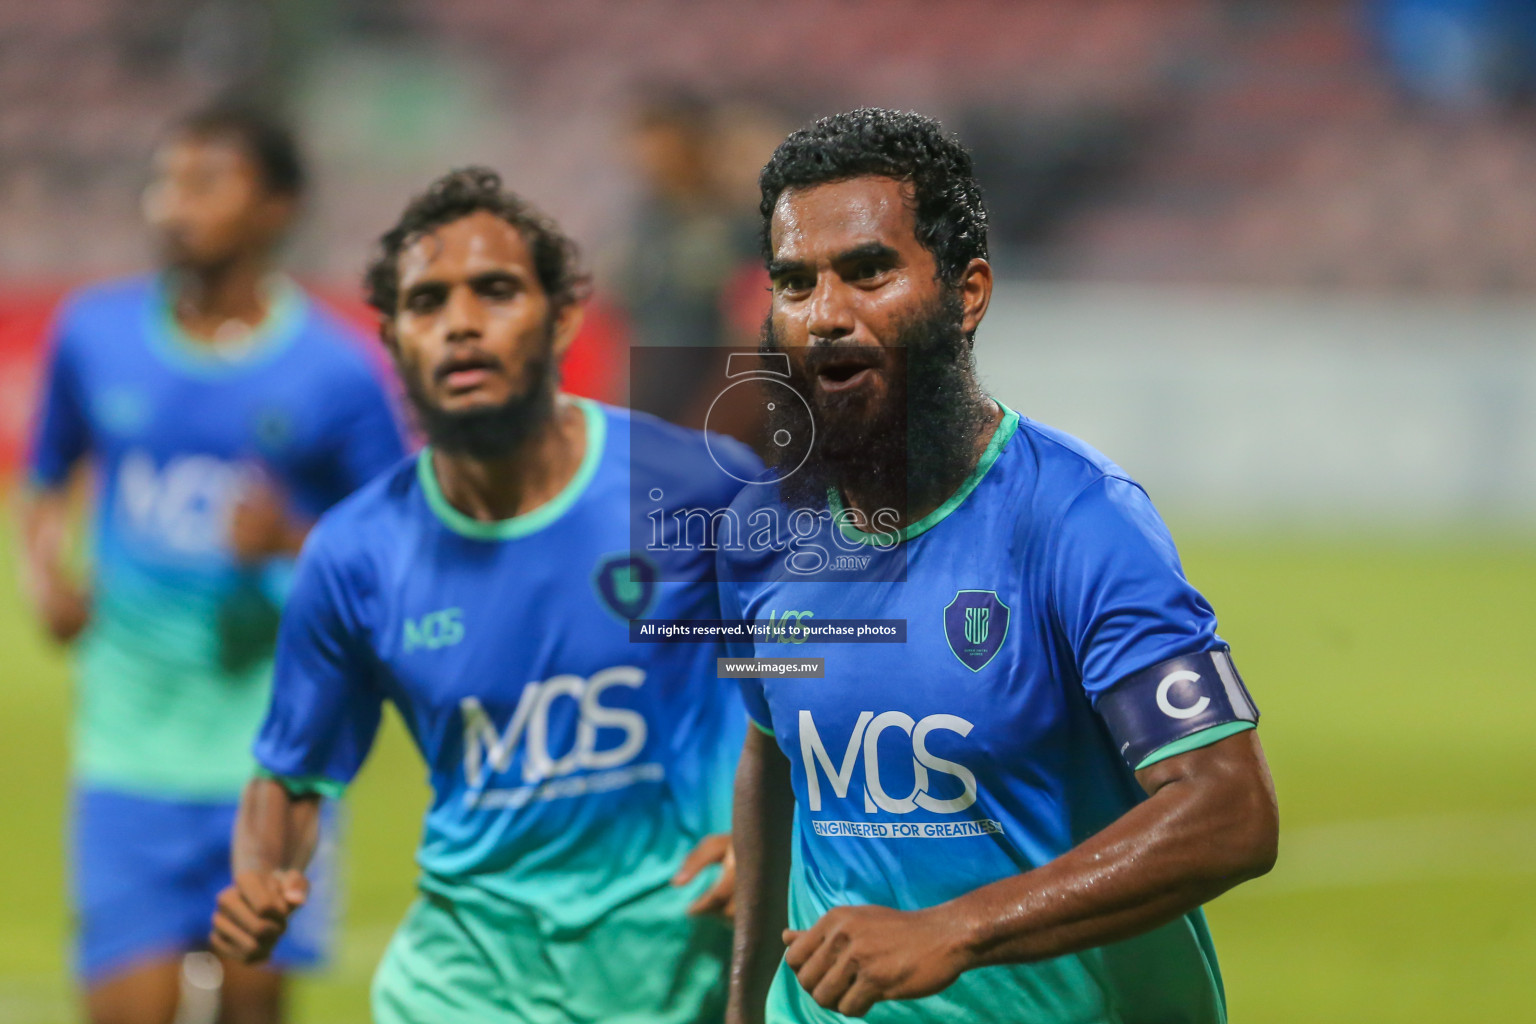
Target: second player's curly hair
{"type": "Point", "coordinates": [267, 141]}
{"type": "Point", "coordinates": [457, 194]}
{"type": "Point", "coordinates": [951, 218]}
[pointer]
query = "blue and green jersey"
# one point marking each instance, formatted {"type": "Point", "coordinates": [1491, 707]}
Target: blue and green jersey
{"type": "Point", "coordinates": [571, 770]}
{"type": "Point", "coordinates": [973, 752]}
{"type": "Point", "coordinates": [173, 672]}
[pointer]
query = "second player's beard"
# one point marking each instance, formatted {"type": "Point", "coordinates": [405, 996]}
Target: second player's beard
{"type": "Point", "coordinates": [910, 449]}
{"type": "Point", "coordinates": [488, 432]}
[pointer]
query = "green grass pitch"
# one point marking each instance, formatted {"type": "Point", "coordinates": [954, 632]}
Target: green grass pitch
{"type": "Point", "coordinates": [1396, 681]}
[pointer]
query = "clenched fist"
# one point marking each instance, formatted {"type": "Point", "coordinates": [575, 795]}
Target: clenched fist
{"type": "Point", "coordinates": [65, 608]}
{"type": "Point", "coordinates": [855, 957]}
{"type": "Point", "coordinates": [259, 526]}
{"type": "Point", "coordinates": [253, 913]}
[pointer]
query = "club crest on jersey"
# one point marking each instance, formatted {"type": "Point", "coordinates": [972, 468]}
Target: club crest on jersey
{"type": "Point", "coordinates": [626, 584]}
{"type": "Point", "coordinates": [273, 429]}
{"type": "Point", "coordinates": [123, 410]}
{"type": "Point", "coordinates": [975, 623]}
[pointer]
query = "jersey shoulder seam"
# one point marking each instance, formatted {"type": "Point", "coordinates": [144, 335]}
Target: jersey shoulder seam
{"type": "Point", "coordinates": [1047, 435]}
{"type": "Point", "coordinates": [371, 497]}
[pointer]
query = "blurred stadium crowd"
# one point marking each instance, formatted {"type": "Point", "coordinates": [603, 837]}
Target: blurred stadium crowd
{"type": "Point", "coordinates": [1316, 142]}
{"type": "Point", "coordinates": [1378, 145]}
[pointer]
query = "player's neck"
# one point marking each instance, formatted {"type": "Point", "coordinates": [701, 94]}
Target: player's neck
{"type": "Point", "coordinates": [214, 304]}
{"type": "Point", "coordinates": [921, 499]}
{"type": "Point", "coordinates": [489, 490]}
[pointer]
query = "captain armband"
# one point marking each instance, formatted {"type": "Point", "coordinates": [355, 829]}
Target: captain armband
{"type": "Point", "coordinates": [1172, 701]}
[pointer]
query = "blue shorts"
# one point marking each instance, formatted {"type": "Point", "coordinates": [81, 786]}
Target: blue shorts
{"type": "Point", "coordinates": [146, 874]}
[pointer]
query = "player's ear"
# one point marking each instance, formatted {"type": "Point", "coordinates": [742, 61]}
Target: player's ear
{"type": "Point", "coordinates": [388, 336]}
{"type": "Point", "coordinates": [567, 324]}
{"type": "Point", "coordinates": [975, 293]}
{"type": "Point", "coordinates": [276, 215]}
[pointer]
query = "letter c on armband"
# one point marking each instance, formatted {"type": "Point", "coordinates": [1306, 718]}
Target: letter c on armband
{"type": "Point", "coordinates": [1181, 676]}
{"type": "Point", "coordinates": [1172, 700]}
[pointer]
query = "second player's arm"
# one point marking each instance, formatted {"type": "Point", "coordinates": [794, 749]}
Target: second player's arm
{"type": "Point", "coordinates": [762, 824]}
{"type": "Point", "coordinates": [260, 526]}
{"type": "Point", "coordinates": [1209, 823]}
{"type": "Point", "coordinates": [275, 837]}
{"type": "Point", "coordinates": [61, 601]}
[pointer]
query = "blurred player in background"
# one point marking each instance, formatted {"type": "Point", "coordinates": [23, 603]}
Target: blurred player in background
{"type": "Point", "coordinates": [692, 253]}
{"type": "Point", "coordinates": [580, 782]}
{"type": "Point", "coordinates": [1015, 815]}
{"type": "Point", "coordinates": [221, 412]}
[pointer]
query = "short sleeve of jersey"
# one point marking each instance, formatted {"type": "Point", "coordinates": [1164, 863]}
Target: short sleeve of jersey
{"type": "Point", "coordinates": [369, 429]}
{"type": "Point", "coordinates": [326, 707]}
{"type": "Point", "coordinates": [1119, 592]}
{"type": "Point", "coordinates": [751, 689]}
{"type": "Point", "coordinates": [61, 431]}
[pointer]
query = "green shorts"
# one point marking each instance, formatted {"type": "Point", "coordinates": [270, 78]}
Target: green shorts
{"type": "Point", "coordinates": [472, 958]}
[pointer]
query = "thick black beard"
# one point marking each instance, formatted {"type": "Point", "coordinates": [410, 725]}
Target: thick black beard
{"type": "Point", "coordinates": [916, 446]}
{"type": "Point", "coordinates": [490, 432]}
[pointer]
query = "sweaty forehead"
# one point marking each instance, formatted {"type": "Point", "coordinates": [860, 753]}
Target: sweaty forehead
{"type": "Point", "coordinates": [463, 248]}
{"type": "Point", "coordinates": [820, 221]}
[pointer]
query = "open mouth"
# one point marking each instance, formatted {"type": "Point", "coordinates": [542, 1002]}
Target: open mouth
{"type": "Point", "coordinates": [846, 371]}
{"type": "Point", "coordinates": [466, 372]}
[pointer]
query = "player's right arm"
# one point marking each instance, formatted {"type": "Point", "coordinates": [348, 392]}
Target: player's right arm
{"type": "Point", "coordinates": [60, 440]}
{"type": "Point", "coordinates": [762, 824]}
{"type": "Point", "coordinates": [275, 836]}
{"type": "Point", "coordinates": [59, 598]}
{"type": "Point", "coordinates": [324, 714]}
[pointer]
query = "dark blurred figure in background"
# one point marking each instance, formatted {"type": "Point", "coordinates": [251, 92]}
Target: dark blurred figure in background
{"type": "Point", "coordinates": [221, 412]}
{"type": "Point", "coordinates": [692, 279]}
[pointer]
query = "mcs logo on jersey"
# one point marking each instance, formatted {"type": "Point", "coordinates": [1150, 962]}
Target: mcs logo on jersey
{"type": "Point", "coordinates": [548, 774]}
{"type": "Point", "coordinates": [863, 748]}
{"type": "Point", "coordinates": [434, 630]}
{"type": "Point", "coordinates": [790, 627]}
{"type": "Point", "coordinates": [183, 506]}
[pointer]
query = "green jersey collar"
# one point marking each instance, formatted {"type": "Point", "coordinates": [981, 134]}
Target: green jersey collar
{"type": "Point", "coordinates": [534, 520]}
{"type": "Point", "coordinates": [1000, 438]}
{"type": "Point", "coordinates": [286, 308]}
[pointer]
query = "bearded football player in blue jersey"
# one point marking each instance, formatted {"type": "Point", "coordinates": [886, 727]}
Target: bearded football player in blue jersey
{"type": "Point", "coordinates": [580, 783]}
{"type": "Point", "coordinates": [1016, 814]}
{"type": "Point", "coordinates": [221, 411]}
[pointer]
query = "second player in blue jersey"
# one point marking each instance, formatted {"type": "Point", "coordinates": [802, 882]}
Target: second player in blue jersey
{"type": "Point", "coordinates": [485, 588]}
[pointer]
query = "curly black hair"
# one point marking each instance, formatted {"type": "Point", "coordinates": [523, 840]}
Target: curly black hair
{"type": "Point", "coordinates": [457, 194]}
{"type": "Point", "coordinates": [267, 141]}
{"type": "Point", "coordinates": [951, 218]}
